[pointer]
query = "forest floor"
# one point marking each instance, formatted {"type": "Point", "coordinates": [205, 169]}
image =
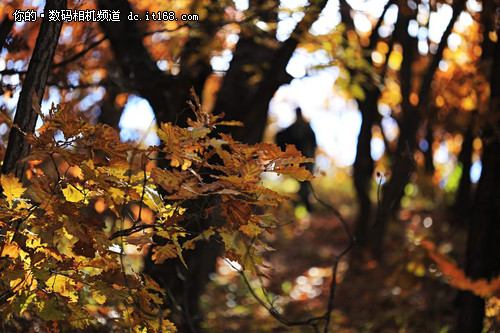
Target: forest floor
{"type": "Point", "coordinates": [403, 292]}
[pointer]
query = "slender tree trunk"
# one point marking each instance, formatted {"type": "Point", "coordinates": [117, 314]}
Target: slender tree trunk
{"type": "Point", "coordinates": [461, 209]}
{"type": "Point", "coordinates": [363, 165]}
{"type": "Point", "coordinates": [32, 92]}
{"type": "Point", "coordinates": [404, 165]}
{"type": "Point", "coordinates": [483, 245]}
{"type": "Point", "coordinates": [5, 28]}
{"type": "Point", "coordinates": [428, 154]}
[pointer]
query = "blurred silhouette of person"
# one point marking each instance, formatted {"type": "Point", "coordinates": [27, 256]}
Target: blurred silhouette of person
{"type": "Point", "coordinates": [302, 136]}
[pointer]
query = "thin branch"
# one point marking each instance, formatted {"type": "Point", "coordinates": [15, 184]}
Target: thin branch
{"type": "Point", "coordinates": [313, 321]}
{"type": "Point", "coordinates": [333, 284]}
{"type": "Point", "coordinates": [70, 86]}
{"type": "Point", "coordinates": [338, 258]}
{"type": "Point", "coordinates": [336, 212]}
{"type": "Point", "coordinates": [12, 72]}
{"type": "Point", "coordinates": [458, 7]}
{"type": "Point", "coordinates": [79, 54]}
{"type": "Point", "coordinates": [131, 230]}
{"type": "Point", "coordinates": [55, 166]}
{"type": "Point", "coordinates": [374, 36]}
{"type": "Point", "coordinates": [149, 33]}
{"type": "Point", "coordinates": [141, 203]}
{"type": "Point", "coordinates": [270, 308]}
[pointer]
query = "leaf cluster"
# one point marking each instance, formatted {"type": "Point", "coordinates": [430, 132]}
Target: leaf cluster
{"type": "Point", "coordinates": [62, 259]}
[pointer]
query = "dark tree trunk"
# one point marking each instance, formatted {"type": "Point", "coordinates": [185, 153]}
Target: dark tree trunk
{"type": "Point", "coordinates": [483, 245]}
{"type": "Point", "coordinates": [461, 209]}
{"type": "Point", "coordinates": [255, 73]}
{"type": "Point", "coordinates": [404, 165]}
{"type": "Point", "coordinates": [32, 92]}
{"type": "Point", "coordinates": [110, 113]}
{"type": "Point", "coordinates": [5, 28]}
{"type": "Point", "coordinates": [167, 94]}
{"type": "Point", "coordinates": [243, 99]}
{"type": "Point", "coordinates": [428, 154]}
{"type": "Point", "coordinates": [363, 165]}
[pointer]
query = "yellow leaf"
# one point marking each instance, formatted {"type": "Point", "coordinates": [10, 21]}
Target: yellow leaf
{"type": "Point", "coordinates": [12, 188]}
{"type": "Point", "coordinates": [73, 194]}
{"type": "Point", "coordinates": [62, 285]}
{"type": "Point", "coordinates": [11, 250]}
{"type": "Point", "coordinates": [100, 299]}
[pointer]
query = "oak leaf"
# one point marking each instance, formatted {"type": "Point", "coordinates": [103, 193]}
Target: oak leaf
{"type": "Point", "coordinates": [12, 188]}
{"type": "Point", "coordinates": [162, 253]}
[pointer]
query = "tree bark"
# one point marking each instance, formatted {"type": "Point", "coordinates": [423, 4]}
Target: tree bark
{"type": "Point", "coordinates": [32, 92]}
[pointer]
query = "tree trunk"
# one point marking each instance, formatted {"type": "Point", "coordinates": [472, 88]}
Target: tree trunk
{"type": "Point", "coordinates": [429, 154]}
{"type": "Point", "coordinates": [363, 165]}
{"type": "Point", "coordinates": [404, 165]}
{"type": "Point", "coordinates": [483, 245]}
{"type": "Point", "coordinates": [32, 92]}
{"type": "Point", "coordinates": [5, 28]}
{"type": "Point", "coordinates": [110, 114]}
{"type": "Point", "coordinates": [461, 209]}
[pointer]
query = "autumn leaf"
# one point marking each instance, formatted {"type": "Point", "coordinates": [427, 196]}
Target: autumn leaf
{"type": "Point", "coordinates": [62, 285]}
{"type": "Point", "coordinates": [251, 230]}
{"type": "Point", "coordinates": [205, 235]}
{"type": "Point", "coordinates": [73, 194]}
{"type": "Point", "coordinates": [168, 180]}
{"type": "Point", "coordinates": [298, 172]}
{"type": "Point", "coordinates": [98, 298]}
{"type": "Point", "coordinates": [12, 250]}
{"type": "Point", "coordinates": [162, 253]}
{"type": "Point", "coordinates": [12, 188]}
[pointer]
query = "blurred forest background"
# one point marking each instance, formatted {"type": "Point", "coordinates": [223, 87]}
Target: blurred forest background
{"type": "Point", "coordinates": [404, 99]}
